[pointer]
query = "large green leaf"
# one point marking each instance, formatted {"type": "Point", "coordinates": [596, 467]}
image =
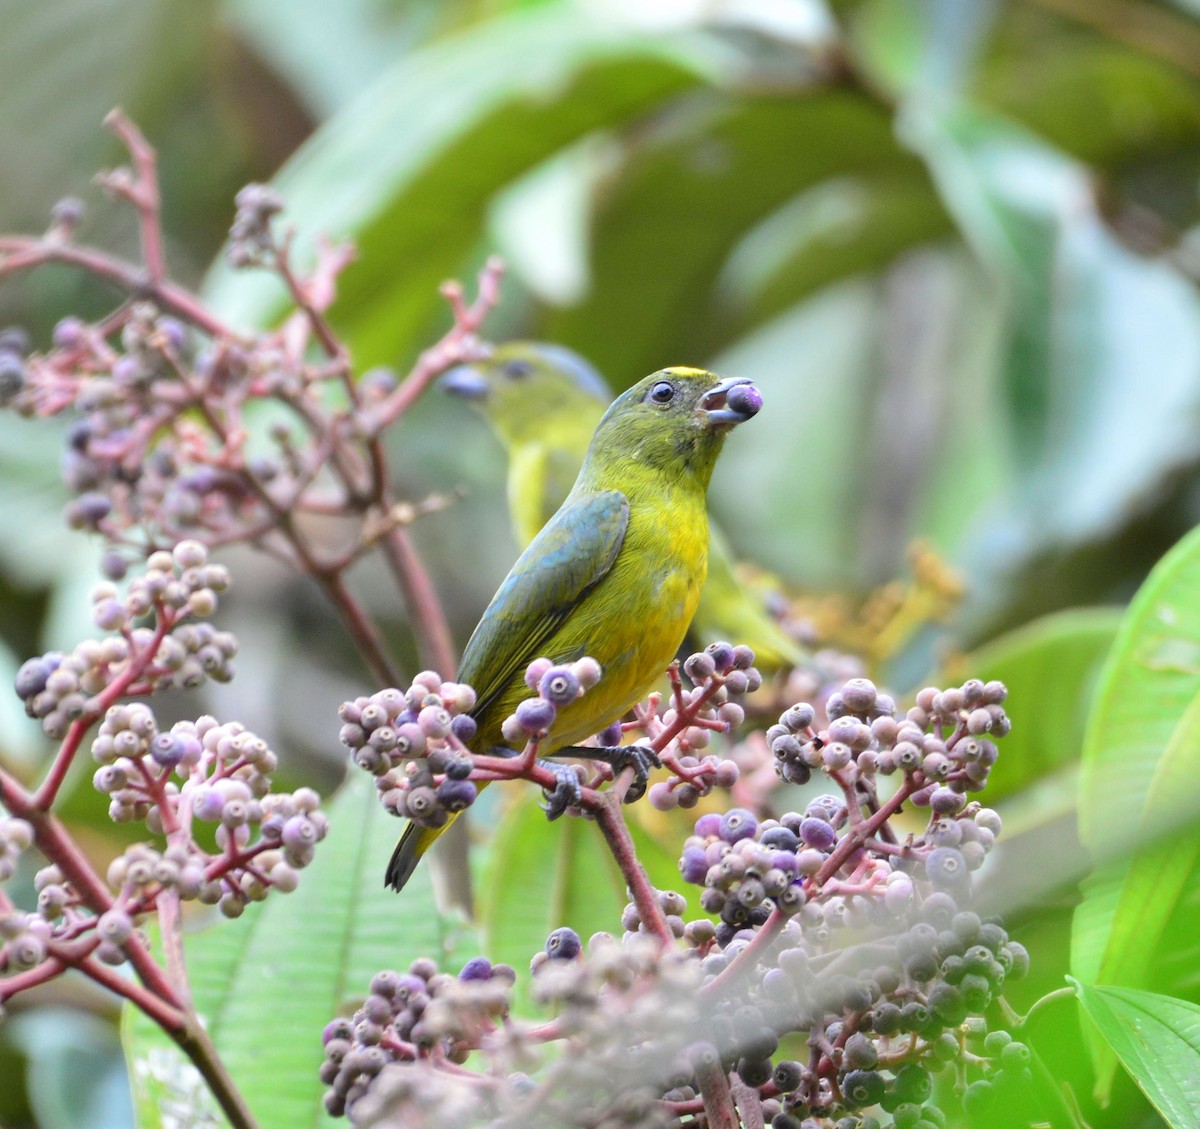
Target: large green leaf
{"type": "Point", "coordinates": [688, 194]}
{"type": "Point", "coordinates": [1140, 752]}
{"type": "Point", "coordinates": [1119, 934]}
{"type": "Point", "coordinates": [408, 168]}
{"type": "Point", "coordinates": [1079, 94]}
{"type": "Point", "coordinates": [1149, 680]}
{"type": "Point", "coordinates": [1089, 327]}
{"type": "Point", "coordinates": [836, 229]}
{"type": "Point", "coordinates": [1157, 1039]}
{"type": "Point", "coordinates": [266, 984]}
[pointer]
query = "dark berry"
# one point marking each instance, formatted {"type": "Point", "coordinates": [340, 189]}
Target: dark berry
{"type": "Point", "coordinates": [455, 795]}
{"type": "Point", "coordinates": [722, 656]}
{"type": "Point", "coordinates": [563, 944]}
{"type": "Point", "coordinates": [780, 839]}
{"type": "Point", "coordinates": [913, 1083]}
{"type": "Point", "coordinates": [862, 1088]}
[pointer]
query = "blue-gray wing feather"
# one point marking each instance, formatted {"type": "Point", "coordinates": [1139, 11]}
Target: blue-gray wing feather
{"type": "Point", "coordinates": [572, 553]}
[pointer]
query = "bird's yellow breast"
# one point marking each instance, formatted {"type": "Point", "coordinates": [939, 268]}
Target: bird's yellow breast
{"type": "Point", "coordinates": [634, 621]}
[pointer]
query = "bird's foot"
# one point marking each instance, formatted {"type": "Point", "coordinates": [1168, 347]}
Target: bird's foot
{"type": "Point", "coordinates": [566, 794]}
{"type": "Point", "coordinates": [641, 758]}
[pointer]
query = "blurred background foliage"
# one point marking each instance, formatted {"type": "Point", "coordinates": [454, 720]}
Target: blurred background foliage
{"type": "Point", "coordinates": [956, 242]}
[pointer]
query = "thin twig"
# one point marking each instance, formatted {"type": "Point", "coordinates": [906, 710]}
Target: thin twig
{"type": "Point", "coordinates": [141, 192]}
{"type": "Point", "coordinates": [24, 253]}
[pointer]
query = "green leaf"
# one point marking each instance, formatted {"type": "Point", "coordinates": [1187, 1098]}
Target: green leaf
{"type": "Point", "coordinates": [1050, 668]}
{"type": "Point", "coordinates": [1076, 93]}
{"type": "Point", "coordinates": [1149, 680]}
{"type": "Point", "coordinates": [1141, 752]}
{"type": "Point", "coordinates": [689, 193]}
{"type": "Point", "coordinates": [408, 168]}
{"type": "Point", "coordinates": [1157, 1039]}
{"type": "Point", "coordinates": [830, 232]}
{"type": "Point", "coordinates": [1089, 326]}
{"type": "Point", "coordinates": [267, 983]}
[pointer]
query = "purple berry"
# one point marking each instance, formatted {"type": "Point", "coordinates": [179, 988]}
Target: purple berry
{"type": "Point", "coordinates": [743, 657]}
{"type": "Point", "coordinates": [535, 715]}
{"type": "Point", "coordinates": [610, 737]}
{"type": "Point", "coordinates": [946, 868]}
{"type": "Point", "coordinates": [299, 831]}
{"type": "Point", "coordinates": [463, 727]}
{"type": "Point", "coordinates": [167, 750]}
{"type": "Point", "coordinates": [744, 399]}
{"type": "Point", "coordinates": [68, 333]}
{"type": "Point", "coordinates": [693, 865]}
{"type": "Point", "coordinates": [817, 833]}
{"type": "Point", "coordinates": [477, 968]}
{"type": "Point", "coordinates": [31, 678]}
{"type": "Point", "coordinates": [699, 666]}
{"type": "Point", "coordinates": [722, 656]}
{"type": "Point", "coordinates": [534, 672]}
{"type": "Point", "coordinates": [737, 824]}
{"type": "Point", "coordinates": [455, 795]}
{"type": "Point", "coordinates": [708, 825]}
{"type": "Point", "coordinates": [559, 685]}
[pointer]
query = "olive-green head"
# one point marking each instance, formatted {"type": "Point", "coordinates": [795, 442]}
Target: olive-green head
{"type": "Point", "coordinates": [525, 388]}
{"type": "Point", "coordinates": [674, 422]}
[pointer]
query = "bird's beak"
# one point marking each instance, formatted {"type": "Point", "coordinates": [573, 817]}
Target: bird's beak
{"type": "Point", "coordinates": [464, 381]}
{"type": "Point", "coordinates": [731, 401]}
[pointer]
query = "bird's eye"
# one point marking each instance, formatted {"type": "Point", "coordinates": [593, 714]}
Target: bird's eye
{"type": "Point", "coordinates": [514, 370]}
{"type": "Point", "coordinates": [662, 393]}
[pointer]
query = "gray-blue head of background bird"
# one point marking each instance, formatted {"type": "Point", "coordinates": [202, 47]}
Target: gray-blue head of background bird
{"type": "Point", "coordinates": [511, 360]}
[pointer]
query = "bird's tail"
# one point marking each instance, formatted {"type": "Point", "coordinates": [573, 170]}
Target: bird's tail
{"type": "Point", "coordinates": [415, 841]}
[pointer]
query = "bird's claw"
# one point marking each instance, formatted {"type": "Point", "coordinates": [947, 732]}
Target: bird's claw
{"type": "Point", "coordinates": [567, 792]}
{"type": "Point", "coordinates": [641, 758]}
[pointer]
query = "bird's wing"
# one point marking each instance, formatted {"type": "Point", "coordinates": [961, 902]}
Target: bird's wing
{"type": "Point", "coordinates": [572, 553]}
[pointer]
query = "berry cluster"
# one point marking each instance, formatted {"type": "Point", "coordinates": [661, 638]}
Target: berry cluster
{"type": "Point", "coordinates": [177, 588]}
{"type": "Point", "coordinates": [719, 673]}
{"type": "Point", "coordinates": [941, 744]}
{"type": "Point", "coordinates": [630, 1005]}
{"type": "Point", "coordinates": [554, 687]}
{"type": "Point", "coordinates": [210, 772]}
{"type": "Point", "coordinates": [194, 771]}
{"type": "Point", "coordinates": [149, 450]}
{"type": "Point", "coordinates": [408, 1013]}
{"type": "Point", "coordinates": [414, 743]}
{"type": "Point", "coordinates": [846, 967]}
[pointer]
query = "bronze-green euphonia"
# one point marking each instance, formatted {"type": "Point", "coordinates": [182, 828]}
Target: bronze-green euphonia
{"type": "Point", "coordinates": [615, 574]}
{"type": "Point", "coordinates": [543, 401]}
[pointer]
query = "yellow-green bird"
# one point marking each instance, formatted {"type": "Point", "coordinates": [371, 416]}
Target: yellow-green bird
{"type": "Point", "coordinates": [615, 574]}
{"type": "Point", "coordinates": [543, 401]}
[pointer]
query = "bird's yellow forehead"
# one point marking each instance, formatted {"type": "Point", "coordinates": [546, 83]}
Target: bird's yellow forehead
{"type": "Point", "coordinates": [684, 370]}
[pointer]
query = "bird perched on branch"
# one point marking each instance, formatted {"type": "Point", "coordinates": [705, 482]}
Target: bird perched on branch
{"type": "Point", "coordinates": [615, 574]}
{"type": "Point", "coordinates": [543, 401]}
